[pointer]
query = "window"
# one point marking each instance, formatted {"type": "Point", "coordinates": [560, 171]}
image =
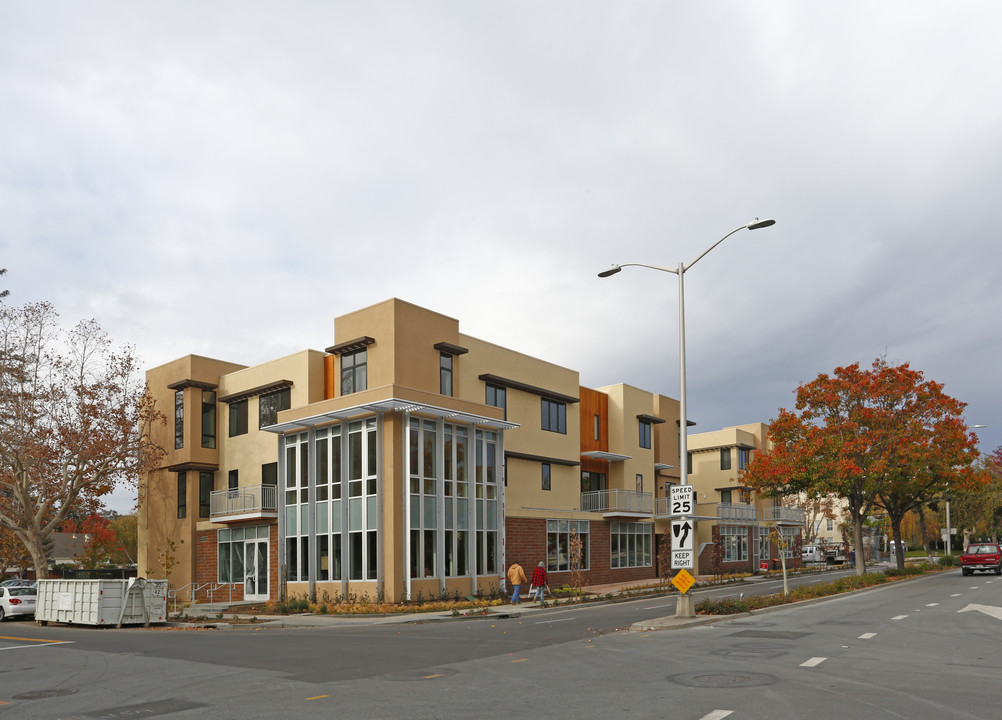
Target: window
{"type": "Point", "coordinates": [645, 434]}
{"type": "Point", "coordinates": [743, 455]}
{"type": "Point", "coordinates": [554, 416]}
{"type": "Point", "coordinates": [269, 474]}
{"type": "Point", "coordinates": [831, 525]}
{"type": "Point", "coordinates": [182, 495]}
{"type": "Point", "coordinates": [230, 551]}
{"type": "Point", "coordinates": [688, 462]}
{"type": "Point", "coordinates": [445, 374]}
{"type": "Point", "coordinates": [592, 481]}
{"type": "Point", "coordinates": [735, 542]}
{"type": "Point", "coordinates": [497, 397]}
{"type": "Point", "coordinates": [546, 475]}
{"type": "Point", "coordinates": [764, 551]}
{"type": "Point", "coordinates": [630, 544]}
{"type": "Point", "coordinates": [640, 483]}
{"type": "Point", "coordinates": [598, 427]}
{"type": "Point", "coordinates": [567, 544]}
{"type": "Point", "coordinates": [238, 418]}
{"type": "Point", "coordinates": [725, 458]}
{"type": "Point", "coordinates": [269, 406]}
{"type": "Point", "coordinates": [789, 537]}
{"type": "Point", "coordinates": [206, 480]}
{"type": "Point", "coordinates": [725, 497]}
{"type": "Point", "coordinates": [353, 372]}
{"type": "Point", "coordinates": [178, 419]}
{"type": "Point", "coordinates": [233, 480]}
{"type": "Point", "coordinates": [208, 418]}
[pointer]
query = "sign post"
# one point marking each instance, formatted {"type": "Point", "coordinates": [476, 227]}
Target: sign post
{"type": "Point", "coordinates": [682, 502]}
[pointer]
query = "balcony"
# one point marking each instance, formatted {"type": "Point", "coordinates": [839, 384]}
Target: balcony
{"type": "Point", "coordinates": [618, 503]}
{"type": "Point", "coordinates": [788, 515]}
{"type": "Point", "coordinates": [740, 513]}
{"type": "Point", "coordinates": [252, 502]}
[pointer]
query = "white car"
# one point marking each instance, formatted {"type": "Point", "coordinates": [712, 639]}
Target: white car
{"type": "Point", "coordinates": [17, 601]}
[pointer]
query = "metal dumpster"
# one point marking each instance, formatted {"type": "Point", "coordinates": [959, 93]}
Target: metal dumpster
{"type": "Point", "coordinates": [102, 602]}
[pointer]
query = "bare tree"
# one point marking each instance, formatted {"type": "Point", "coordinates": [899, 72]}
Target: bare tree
{"type": "Point", "coordinates": [74, 422]}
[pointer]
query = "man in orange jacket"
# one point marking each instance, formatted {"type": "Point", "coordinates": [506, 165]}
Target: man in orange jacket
{"type": "Point", "coordinates": [517, 578]}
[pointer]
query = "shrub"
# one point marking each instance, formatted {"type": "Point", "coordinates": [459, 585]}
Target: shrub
{"type": "Point", "coordinates": [949, 560]}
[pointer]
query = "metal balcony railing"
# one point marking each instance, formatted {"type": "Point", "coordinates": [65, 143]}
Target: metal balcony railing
{"type": "Point", "coordinates": [617, 501]}
{"type": "Point", "coordinates": [251, 500]}
{"type": "Point", "coordinates": [741, 512]}
{"type": "Point", "coordinates": [783, 514]}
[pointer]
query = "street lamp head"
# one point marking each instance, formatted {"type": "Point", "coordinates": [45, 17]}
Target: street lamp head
{"type": "Point", "coordinates": [611, 271]}
{"type": "Point", "coordinates": [761, 223]}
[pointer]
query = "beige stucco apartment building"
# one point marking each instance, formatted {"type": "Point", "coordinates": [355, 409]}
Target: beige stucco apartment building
{"type": "Point", "coordinates": [406, 460]}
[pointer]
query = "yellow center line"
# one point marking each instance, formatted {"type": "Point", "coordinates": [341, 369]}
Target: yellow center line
{"type": "Point", "coordinates": [317, 697]}
{"type": "Point", "coordinates": [35, 640]}
{"type": "Point", "coordinates": [429, 677]}
{"type": "Point", "coordinates": [522, 660]}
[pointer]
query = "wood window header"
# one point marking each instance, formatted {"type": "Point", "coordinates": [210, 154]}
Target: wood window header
{"type": "Point", "coordinates": [259, 390]}
{"type": "Point", "coordinates": [653, 420]}
{"type": "Point", "coordinates": [525, 387]}
{"type": "Point", "coordinates": [359, 343]}
{"type": "Point", "coordinates": [539, 458]}
{"type": "Point", "coordinates": [450, 349]}
{"type": "Point", "coordinates": [200, 384]}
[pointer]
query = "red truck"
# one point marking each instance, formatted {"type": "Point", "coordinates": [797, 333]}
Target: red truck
{"type": "Point", "coordinates": [981, 556]}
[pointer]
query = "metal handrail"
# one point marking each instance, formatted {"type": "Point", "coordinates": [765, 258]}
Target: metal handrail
{"type": "Point", "coordinates": [243, 500]}
{"type": "Point", "coordinates": [621, 500]}
{"type": "Point", "coordinates": [174, 593]}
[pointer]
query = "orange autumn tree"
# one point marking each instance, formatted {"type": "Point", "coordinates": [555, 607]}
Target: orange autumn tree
{"type": "Point", "coordinates": [883, 437]}
{"type": "Point", "coordinates": [74, 422]}
{"type": "Point", "coordinates": [101, 544]}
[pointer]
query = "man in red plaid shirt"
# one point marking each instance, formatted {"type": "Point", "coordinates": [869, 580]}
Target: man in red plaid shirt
{"type": "Point", "coordinates": [539, 581]}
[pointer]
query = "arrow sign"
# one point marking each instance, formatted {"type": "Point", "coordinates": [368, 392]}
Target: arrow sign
{"type": "Point", "coordinates": [682, 535]}
{"type": "Point", "coordinates": [995, 612]}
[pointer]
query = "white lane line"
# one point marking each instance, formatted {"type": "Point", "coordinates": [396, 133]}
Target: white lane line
{"type": "Point", "coordinates": [931, 604]}
{"type": "Point", "coordinates": [813, 662]}
{"type": "Point", "coordinates": [899, 617]}
{"type": "Point", "coordinates": [40, 644]}
{"type": "Point", "coordinates": [655, 607]}
{"type": "Point", "coordinates": [974, 587]}
{"type": "Point", "coordinates": [717, 715]}
{"type": "Point", "coordinates": [955, 595]}
{"type": "Point", "coordinates": [867, 636]}
{"type": "Point", "coordinates": [547, 622]}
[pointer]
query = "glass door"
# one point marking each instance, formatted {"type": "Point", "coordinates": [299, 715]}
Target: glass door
{"type": "Point", "coordinates": [256, 569]}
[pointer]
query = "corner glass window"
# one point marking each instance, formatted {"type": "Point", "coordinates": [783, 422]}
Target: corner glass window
{"type": "Point", "coordinates": [353, 372]}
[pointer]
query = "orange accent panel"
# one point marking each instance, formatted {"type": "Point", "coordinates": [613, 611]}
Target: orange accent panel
{"type": "Point", "coordinates": [328, 377]}
{"type": "Point", "coordinates": [594, 403]}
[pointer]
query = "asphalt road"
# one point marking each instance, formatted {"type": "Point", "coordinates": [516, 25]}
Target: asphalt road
{"type": "Point", "coordinates": [903, 650]}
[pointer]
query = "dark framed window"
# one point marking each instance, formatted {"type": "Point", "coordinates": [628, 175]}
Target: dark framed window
{"type": "Point", "coordinates": [206, 481]}
{"type": "Point", "coordinates": [271, 404]}
{"type": "Point", "coordinates": [238, 418]}
{"type": "Point", "coordinates": [593, 481]}
{"type": "Point", "coordinates": [497, 396]}
{"type": "Point", "coordinates": [208, 418]}
{"type": "Point", "coordinates": [546, 475]}
{"type": "Point", "coordinates": [182, 495]}
{"type": "Point", "coordinates": [178, 419]}
{"type": "Point", "coordinates": [645, 434]}
{"type": "Point", "coordinates": [566, 539]}
{"type": "Point", "coordinates": [554, 416]}
{"type": "Point", "coordinates": [725, 458]}
{"type": "Point", "coordinates": [744, 454]}
{"type": "Point", "coordinates": [598, 427]}
{"type": "Point", "coordinates": [725, 497]}
{"type": "Point", "coordinates": [445, 374]}
{"type": "Point", "coordinates": [269, 473]}
{"type": "Point", "coordinates": [233, 480]}
{"type": "Point", "coordinates": [353, 372]}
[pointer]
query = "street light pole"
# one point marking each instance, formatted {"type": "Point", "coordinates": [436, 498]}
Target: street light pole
{"type": "Point", "coordinates": [685, 606]}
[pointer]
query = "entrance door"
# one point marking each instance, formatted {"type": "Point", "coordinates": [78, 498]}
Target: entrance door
{"type": "Point", "coordinates": [256, 569]}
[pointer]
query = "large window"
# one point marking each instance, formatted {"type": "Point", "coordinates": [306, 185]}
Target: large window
{"type": "Point", "coordinates": [238, 418]}
{"type": "Point", "coordinates": [735, 542]}
{"type": "Point", "coordinates": [630, 544]}
{"type": "Point", "coordinates": [593, 481]}
{"type": "Point", "coordinates": [182, 495]}
{"type": "Point", "coordinates": [645, 434]}
{"type": "Point", "coordinates": [743, 455]}
{"type": "Point", "coordinates": [269, 406]}
{"type": "Point", "coordinates": [789, 538]}
{"type": "Point", "coordinates": [496, 396]}
{"type": "Point", "coordinates": [445, 374]}
{"type": "Point", "coordinates": [554, 416]}
{"type": "Point", "coordinates": [206, 480]}
{"type": "Point", "coordinates": [725, 458]}
{"type": "Point", "coordinates": [561, 537]}
{"type": "Point", "coordinates": [269, 473]}
{"type": "Point", "coordinates": [230, 551]}
{"type": "Point", "coordinates": [178, 419]}
{"type": "Point", "coordinates": [208, 418]}
{"type": "Point", "coordinates": [353, 372]}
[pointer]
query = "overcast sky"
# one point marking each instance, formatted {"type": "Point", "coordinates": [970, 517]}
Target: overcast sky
{"type": "Point", "coordinates": [225, 178]}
